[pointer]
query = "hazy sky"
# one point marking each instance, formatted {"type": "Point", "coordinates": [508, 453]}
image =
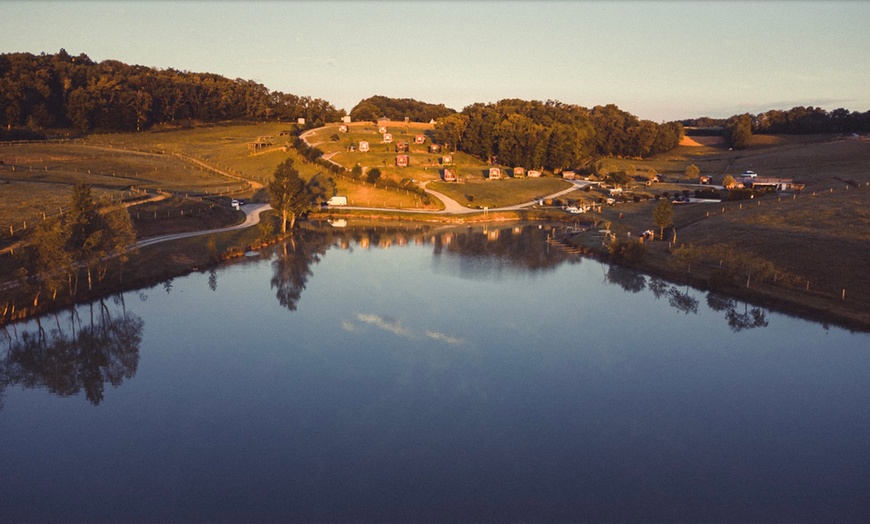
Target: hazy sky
{"type": "Point", "coordinates": [657, 60]}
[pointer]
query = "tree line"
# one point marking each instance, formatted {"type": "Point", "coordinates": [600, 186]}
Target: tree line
{"type": "Point", "coordinates": [372, 108]}
{"type": "Point", "coordinates": [799, 120]}
{"type": "Point", "coordinates": [85, 239]}
{"type": "Point", "coordinates": [552, 135]}
{"type": "Point", "coordinates": [39, 92]}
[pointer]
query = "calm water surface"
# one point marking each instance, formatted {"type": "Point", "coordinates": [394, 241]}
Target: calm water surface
{"type": "Point", "coordinates": [431, 375]}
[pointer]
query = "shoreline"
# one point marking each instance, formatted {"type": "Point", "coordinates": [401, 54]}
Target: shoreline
{"type": "Point", "coordinates": [845, 318]}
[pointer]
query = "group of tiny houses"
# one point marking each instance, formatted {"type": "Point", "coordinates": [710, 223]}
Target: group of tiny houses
{"type": "Point", "coordinates": [402, 148]}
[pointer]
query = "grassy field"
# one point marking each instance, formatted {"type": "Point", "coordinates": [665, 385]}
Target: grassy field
{"type": "Point", "coordinates": [499, 193]}
{"type": "Point", "coordinates": [37, 179]}
{"type": "Point", "coordinates": [819, 238]}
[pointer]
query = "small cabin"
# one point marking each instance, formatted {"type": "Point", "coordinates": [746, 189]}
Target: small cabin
{"type": "Point", "coordinates": [300, 121]}
{"type": "Point", "coordinates": [569, 175]}
{"type": "Point", "coordinates": [533, 173]}
{"type": "Point", "coordinates": [434, 148]}
{"type": "Point", "coordinates": [494, 173]}
{"type": "Point", "coordinates": [519, 172]}
{"type": "Point", "coordinates": [450, 175]}
{"type": "Point", "coordinates": [363, 146]}
{"type": "Point", "coordinates": [388, 137]}
{"type": "Point", "coordinates": [419, 139]}
{"type": "Point", "coordinates": [345, 119]}
{"type": "Point", "coordinates": [446, 159]}
{"type": "Point", "coordinates": [401, 147]}
{"type": "Point", "coordinates": [402, 160]}
{"type": "Point", "coordinates": [342, 128]}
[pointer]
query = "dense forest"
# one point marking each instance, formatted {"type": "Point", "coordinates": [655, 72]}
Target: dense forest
{"type": "Point", "coordinates": [378, 106]}
{"type": "Point", "coordinates": [39, 92]}
{"type": "Point", "coordinates": [551, 134]}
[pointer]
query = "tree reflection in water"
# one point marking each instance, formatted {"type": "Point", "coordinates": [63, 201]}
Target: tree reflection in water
{"type": "Point", "coordinates": [682, 301]}
{"type": "Point", "coordinates": [634, 282]}
{"type": "Point", "coordinates": [76, 355]}
{"type": "Point", "coordinates": [627, 279]}
{"type": "Point", "coordinates": [292, 264]}
{"type": "Point", "coordinates": [750, 318]}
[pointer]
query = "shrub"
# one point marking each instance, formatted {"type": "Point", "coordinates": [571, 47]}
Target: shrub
{"type": "Point", "coordinates": [628, 253]}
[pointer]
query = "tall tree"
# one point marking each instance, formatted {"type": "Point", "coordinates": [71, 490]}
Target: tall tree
{"type": "Point", "coordinates": [738, 131]}
{"type": "Point", "coordinates": [289, 194]}
{"type": "Point", "coordinates": [86, 230]}
{"type": "Point", "coordinates": [663, 215]}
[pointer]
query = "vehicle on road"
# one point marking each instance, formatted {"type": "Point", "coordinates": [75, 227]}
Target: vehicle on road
{"type": "Point", "coordinates": [337, 201]}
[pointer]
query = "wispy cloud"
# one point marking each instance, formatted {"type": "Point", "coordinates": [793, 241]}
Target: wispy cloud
{"type": "Point", "coordinates": [395, 327]}
{"type": "Point", "coordinates": [435, 335]}
{"type": "Point", "coordinates": [385, 323]}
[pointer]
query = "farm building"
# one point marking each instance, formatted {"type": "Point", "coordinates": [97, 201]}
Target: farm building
{"type": "Point", "coordinates": [446, 159]}
{"type": "Point", "coordinates": [519, 172]}
{"type": "Point", "coordinates": [450, 175]}
{"type": "Point", "coordinates": [402, 160]}
{"type": "Point", "coordinates": [494, 173]}
{"type": "Point", "coordinates": [778, 184]}
{"type": "Point", "coordinates": [401, 147]}
{"type": "Point", "coordinates": [388, 137]}
{"type": "Point", "coordinates": [363, 146]}
{"type": "Point", "coordinates": [434, 148]}
{"type": "Point", "coordinates": [345, 119]}
{"type": "Point", "coordinates": [260, 143]}
{"type": "Point", "coordinates": [342, 128]}
{"type": "Point", "coordinates": [419, 139]}
{"type": "Point", "coordinates": [532, 173]}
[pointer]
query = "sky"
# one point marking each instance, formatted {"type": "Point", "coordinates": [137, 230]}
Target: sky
{"type": "Point", "coordinates": [658, 60]}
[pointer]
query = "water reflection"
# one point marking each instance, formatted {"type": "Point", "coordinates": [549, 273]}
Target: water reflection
{"type": "Point", "coordinates": [478, 252]}
{"type": "Point", "coordinates": [291, 266]}
{"type": "Point", "coordinates": [750, 317]}
{"type": "Point", "coordinates": [76, 354]}
{"type": "Point", "coordinates": [684, 300]}
{"type": "Point", "coordinates": [626, 278]}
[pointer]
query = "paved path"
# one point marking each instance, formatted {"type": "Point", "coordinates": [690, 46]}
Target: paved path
{"type": "Point", "coordinates": [252, 218]}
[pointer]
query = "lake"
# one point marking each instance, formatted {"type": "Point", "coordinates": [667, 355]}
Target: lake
{"type": "Point", "coordinates": [428, 373]}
